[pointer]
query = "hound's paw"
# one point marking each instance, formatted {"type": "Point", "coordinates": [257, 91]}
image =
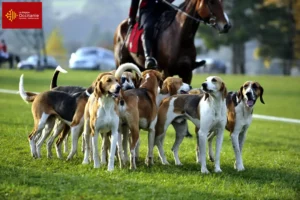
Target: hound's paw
{"type": "Point", "coordinates": [85, 162]}
{"type": "Point", "coordinates": [149, 161]}
{"type": "Point", "coordinates": [34, 155]}
{"type": "Point", "coordinates": [110, 169]}
{"type": "Point", "coordinates": [165, 162]}
{"type": "Point", "coordinates": [178, 163]}
{"type": "Point", "coordinates": [240, 168]}
{"type": "Point", "coordinates": [204, 171]}
{"type": "Point", "coordinates": [68, 158]}
{"type": "Point", "coordinates": [218, 170]}
{"type": "Point", "coordinates": [132, 167]}
{"type": "Point", "coordinates": [96, 166]}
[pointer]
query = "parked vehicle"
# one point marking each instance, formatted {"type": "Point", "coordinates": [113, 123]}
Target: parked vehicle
{"type": "Point", "coordinates": [212, 66]}
{"type": "Point", "coordinates": [94, 58]}
{"type": "Point", "coordinates": [32, 62]}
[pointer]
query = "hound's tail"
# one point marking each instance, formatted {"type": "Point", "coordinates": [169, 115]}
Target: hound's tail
{"type": "Point", "coordinates": [26, 96]}
{"type": "Point", "coordinates": [127, 66]}
{"type": "Point", "coordinates": [55, 75]}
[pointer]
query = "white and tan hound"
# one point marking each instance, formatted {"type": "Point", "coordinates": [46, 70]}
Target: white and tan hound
{"type": "Point", "coordinates": [207, 112]}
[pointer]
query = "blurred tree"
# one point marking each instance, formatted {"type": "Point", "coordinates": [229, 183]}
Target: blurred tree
{"type": "Point", "coordinates": [106, 39]}
{"type": "Point", "coordinates": [55, 46]}
{"type": "Point", "coordinates": [284, 23]}
{"type": "Point", "coordinates": [94, 36]}
{"type": "Point", "coordinates": [241, 14]}
{"type": "Point", "coordinates": [72, 46]}
{"type": "Point", "coordinates": [272, 22]}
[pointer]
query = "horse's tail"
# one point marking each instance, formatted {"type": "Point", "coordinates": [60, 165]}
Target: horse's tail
{"type": "Point", "coordinates": [127, 66]}
{"type": "Point", "coordinates": [58, 69]}
{"type": "Point", "coordinates": [26, 96]}
{"type": "Point", "coordinates": [199, 64]}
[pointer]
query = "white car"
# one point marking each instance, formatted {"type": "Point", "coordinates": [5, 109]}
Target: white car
{"type": "Point", "coordinates": [32, 62]}
{"type": "Point", "coordinates": [94, 58]}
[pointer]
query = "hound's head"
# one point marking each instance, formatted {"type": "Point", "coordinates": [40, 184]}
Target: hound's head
{"type": "Point", "coordinates": [175, 85]}
{"type": "Point", "coordinates": [215, 86]}
{"type": "Point", "coordinates": [128, 81]}
{"type": "Point", "coordinates": [151, 77]}
{"type": "Point", "coordinates": [107, 85]}
{"type": "Point", "coordinates": [249, 93]}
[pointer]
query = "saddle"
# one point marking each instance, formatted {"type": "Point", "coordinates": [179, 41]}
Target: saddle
{"type": "Point", "coordinates": [135, 42]}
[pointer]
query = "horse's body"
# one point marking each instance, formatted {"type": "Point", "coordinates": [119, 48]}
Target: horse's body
{"type": "Point", "coordinates": [10, 59]}
{"type": "Point", "coordinates": [175, 49]}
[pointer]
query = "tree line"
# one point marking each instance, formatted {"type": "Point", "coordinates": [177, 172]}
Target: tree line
{"type": "Point", "coordinates": [275, 24]}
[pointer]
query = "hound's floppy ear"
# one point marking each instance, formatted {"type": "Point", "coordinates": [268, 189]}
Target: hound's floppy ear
{"type": "Point", "coordinates": [172, 89]}
{"type": "Point", "coordinates": [98, 91]}
{"type": "Point", "coordinates": [261, 94]}
{"type": "Point", "coordinates": [223, 90]}
{"type": "Point", "coordinates": [159, 77]}
{"type": "Point", "coordinates": [136, 80]}
{"type": "Point", "coordinates": [164, 88]}
{"type": "Point", "coordinates": [240, 94]}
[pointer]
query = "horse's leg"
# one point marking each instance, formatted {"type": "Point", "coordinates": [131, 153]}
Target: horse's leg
{"type": "Point", "coordinates": [186, 76]}
{"type": "Point", "coordinates": [11, 61]}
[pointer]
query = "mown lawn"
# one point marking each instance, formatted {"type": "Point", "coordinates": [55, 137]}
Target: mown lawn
{"type": "Point", "coordinates": [271, 154]}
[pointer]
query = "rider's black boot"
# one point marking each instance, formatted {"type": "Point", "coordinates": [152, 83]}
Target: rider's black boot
{"type": "Point", "coordinates": [150, 62]}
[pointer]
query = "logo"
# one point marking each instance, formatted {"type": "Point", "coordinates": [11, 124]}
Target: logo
{"type": "Point", "coordinates": [22, 15]}
{"type": "Point", "coordinates": [11, 15]}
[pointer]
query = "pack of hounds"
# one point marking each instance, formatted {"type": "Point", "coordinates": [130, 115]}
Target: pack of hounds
{"type": "Point", "coordinates": [121, 102]}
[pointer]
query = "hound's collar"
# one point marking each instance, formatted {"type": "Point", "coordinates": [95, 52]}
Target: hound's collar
{"type": "Point", "coordinates": [87, 93]}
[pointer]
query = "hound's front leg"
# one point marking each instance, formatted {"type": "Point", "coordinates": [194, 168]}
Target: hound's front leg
{"type": "Point", "coordinates": [237, 151]}
{"type": "Point", "coordinates": [75, 132]}
{"type": "Point", "coordinates": [104, 148]}
{"type": "Point", "coordinates": [114, 139]}
{"type": "Point", "coordinates": [95, 149]}
{"type": "Point", "coordinates": [87, 146]}
{"type": "Point", "coordinates": [181, 128]}
{"type": "Point", "coordinates": [219, 141]}
{"type": "Point", "coordinates": [151, 138]}
{"type": "Point", "coordinates": [202, 135]}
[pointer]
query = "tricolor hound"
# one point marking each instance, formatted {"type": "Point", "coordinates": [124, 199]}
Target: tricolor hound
{"type": "Point", "coordinates": [207, 112]}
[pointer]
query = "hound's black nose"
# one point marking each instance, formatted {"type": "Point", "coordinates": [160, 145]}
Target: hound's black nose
{"type": "Point", "coordinates": [204, 86]}
{"type": "Point", "coordinates": [118, 88]}
{"type": "Point", "coordinates": [249, 95]}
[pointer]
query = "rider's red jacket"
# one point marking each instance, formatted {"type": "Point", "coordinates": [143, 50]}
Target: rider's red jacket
{"type": "Point", "coordinates": [3, 47]}
{"type": "Point", "coordinates": [135, 5]}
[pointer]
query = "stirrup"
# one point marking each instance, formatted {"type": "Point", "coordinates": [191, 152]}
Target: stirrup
{"type": "Point", "coordinates": [150, 63]}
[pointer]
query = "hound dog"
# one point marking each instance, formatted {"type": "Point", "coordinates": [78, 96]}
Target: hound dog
{"type": "Point", "coordinates": [59, 125]}
{"type": "Point", "coordinates": [128, 80]}
{"type": "Point", "coordinates": [102, 114]}
{"type": "Point", "coordinates": [170, 86]}
{"type": "Point", "coordinates": [138, 110]}
{"type": "Point", "coordinates": [240, 107]}
{"type": "Point", "coordinates": [207, 112]}
{"type": "Point", "coordinates": [67, 107]}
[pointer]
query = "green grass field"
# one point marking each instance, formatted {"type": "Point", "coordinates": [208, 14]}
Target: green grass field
{"type": "Point", "coordinates": [271, 153]}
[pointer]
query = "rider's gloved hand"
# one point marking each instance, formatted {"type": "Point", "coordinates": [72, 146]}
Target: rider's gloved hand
{"type": "Point", "coordinates": [131, 21]}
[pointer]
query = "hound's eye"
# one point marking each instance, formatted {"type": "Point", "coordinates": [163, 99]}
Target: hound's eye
{"type": "Point", "coordinates": [212, 2]}
{"type": "Point", "coordinates": [214, 80]}
{"type": "Point", "coordinates": [108, 80]}
{"type": "Point", "coordinates": [254, 86]}
{"type": "Point", "coordinates": [245, 86]}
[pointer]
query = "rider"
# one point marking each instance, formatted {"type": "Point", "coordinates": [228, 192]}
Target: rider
{"type": "Point", "coordinates": [150, 11]}
{"type": "Point", "coordinates": [3, 49]}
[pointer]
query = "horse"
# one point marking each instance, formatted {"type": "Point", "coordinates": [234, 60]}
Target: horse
{"type": "Point", "coordinates": [10, 59]}
{"type": "Point", "coordinates": [174, 47]}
